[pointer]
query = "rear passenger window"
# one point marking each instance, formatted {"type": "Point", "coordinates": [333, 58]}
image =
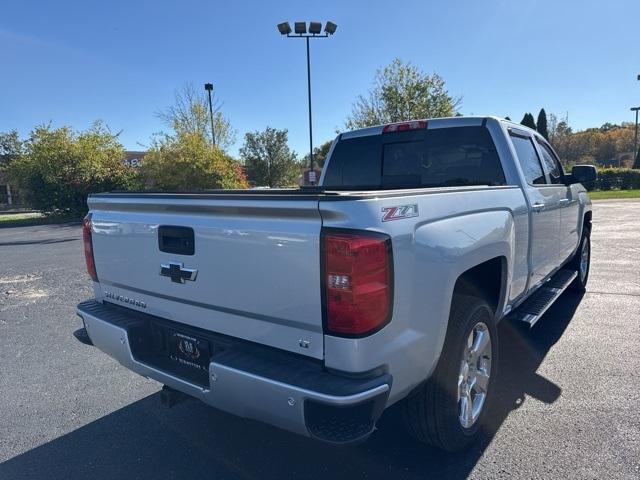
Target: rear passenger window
{"type": "Point", "coordinates": [550, 164]}
{"type": "Point", "coordinates": [445, 157]}
{"type": "Point", "coordinates": [529, 160]}
{"type": "Point", "coordinates": [426, 158]}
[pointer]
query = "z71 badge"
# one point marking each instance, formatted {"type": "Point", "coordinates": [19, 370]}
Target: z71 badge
{"type": "Point", "coordinates": [399, 212]}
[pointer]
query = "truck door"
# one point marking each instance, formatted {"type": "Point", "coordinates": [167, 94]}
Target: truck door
{"type": "Point", "coordinates": [544, 206]}
{"type": "Point", "coordinates": [569, 222]}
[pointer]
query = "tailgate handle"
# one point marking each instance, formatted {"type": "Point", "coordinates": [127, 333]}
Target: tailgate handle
{"type": "Point", "coordinates": [177, 240]}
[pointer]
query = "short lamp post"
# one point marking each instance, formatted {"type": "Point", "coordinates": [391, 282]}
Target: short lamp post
{"type": "Point", "coordinates": [209, 87]}
{"type": "Point", "coordinates": [314, 31]}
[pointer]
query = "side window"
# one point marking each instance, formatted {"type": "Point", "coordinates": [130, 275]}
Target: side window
{"type": "Point", "coordinates": [355, 162]}
{"type": "Point", "coordinates": [529, 160]}
{"type": "Point", "coordinates": [550, 164]}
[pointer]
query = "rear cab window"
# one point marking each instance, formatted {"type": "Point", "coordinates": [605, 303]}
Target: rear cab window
{"type": "Point", "coordinates": [441, 157]}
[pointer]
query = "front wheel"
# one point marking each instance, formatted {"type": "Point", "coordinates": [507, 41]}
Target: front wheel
{"type": "Point", "coordinates": [449, 410]}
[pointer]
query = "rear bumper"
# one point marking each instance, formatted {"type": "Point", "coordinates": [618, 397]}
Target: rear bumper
{"type": "Point", "coordinates": [252, 381]}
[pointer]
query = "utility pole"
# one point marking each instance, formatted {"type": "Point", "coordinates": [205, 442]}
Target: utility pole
{"type": "Point", "coordinates": [209, 87]}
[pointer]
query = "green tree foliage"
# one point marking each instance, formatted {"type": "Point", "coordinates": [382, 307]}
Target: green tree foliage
{"type": "Point", "coordinates": [188, 161]}
{"type": "Point", "coordinates": [268, 160]}
{"type": "Point", "coordinates": [10, 148]}
{"type": "Point", "coordinates": [319, 155]}
{"type": "Point", "coordinates": [185, 158]}
{"type": "Point", "coordinates": [402, 92]}
{"type": "Point", "coordinates": [59, 167]}
{"type": "Point", "coordinates": [528, 121]}
{"type": "Point", "coordinates": [189, 114]}
{"type": "Point", "coordinates": [541, 124]}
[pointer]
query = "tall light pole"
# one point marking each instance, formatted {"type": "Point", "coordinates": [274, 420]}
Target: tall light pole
{"type": "Point", "coordinates": [635, 140]}
{"type": "Point", "coordinates": [636, 153]}
{"type": "Point", "coordinates": [209, 87]}
{"type": "Point", "coordinates": [300, 31]}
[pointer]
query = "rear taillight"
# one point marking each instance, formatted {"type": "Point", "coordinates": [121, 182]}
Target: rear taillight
{"type": "Point", "coordinates": [88, 247]}
{"type": "Point", "coordinates": [358, 281]}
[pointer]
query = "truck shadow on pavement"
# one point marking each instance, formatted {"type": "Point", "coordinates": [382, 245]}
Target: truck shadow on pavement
{"type": "Point", "coordinates": [192, 440]}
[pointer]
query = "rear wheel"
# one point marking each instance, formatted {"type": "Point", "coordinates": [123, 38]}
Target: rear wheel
{"type": "Point", "coordinates": [581, 262]}
{"type": "Point", "coordinates": [449, 410]}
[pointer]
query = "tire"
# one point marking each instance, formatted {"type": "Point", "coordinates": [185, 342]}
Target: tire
{"type": "Point", "coordinates": [580, 282]}
{"type": "Point", "coordinates": [433, 413]}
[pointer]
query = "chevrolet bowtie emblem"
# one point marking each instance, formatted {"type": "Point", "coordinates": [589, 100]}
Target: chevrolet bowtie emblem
{"type": "Point", "coordinates": [177, 272]}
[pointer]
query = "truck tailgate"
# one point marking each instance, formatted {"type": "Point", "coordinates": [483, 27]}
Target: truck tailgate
{"type": "Point", "coordinates": [257, 262]}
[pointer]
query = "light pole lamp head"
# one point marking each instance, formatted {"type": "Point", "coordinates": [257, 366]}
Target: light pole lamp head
{"type": "Point", "coordinates": [315, 28]}
{"type": "Point", "coordinates": [300, 28]}
{"type": "Point", "coordinates": [330, 28]}
{"type": "Point", "coordinates": [284, 28]}
{"type": "Point", "coordinates": [208, 86]}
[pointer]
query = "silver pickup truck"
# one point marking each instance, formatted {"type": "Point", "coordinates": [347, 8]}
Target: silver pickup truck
{"type": "Point", "coordinates": [316, 309]}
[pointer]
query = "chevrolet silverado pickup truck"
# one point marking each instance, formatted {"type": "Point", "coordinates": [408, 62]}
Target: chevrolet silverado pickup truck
{"type": "Point", "coordinates": [315, 309]}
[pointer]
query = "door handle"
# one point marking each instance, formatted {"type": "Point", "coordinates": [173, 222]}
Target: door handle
{"type": "Point", "coordinates": [538, 207]}
{"type": "Point", "coordinates": [178, 240]}
{"type": "Point", "coordinates": [564, 201]}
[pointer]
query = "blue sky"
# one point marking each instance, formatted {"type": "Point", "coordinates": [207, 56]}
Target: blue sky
{"type": "Point", "coordinates": [71, 62]}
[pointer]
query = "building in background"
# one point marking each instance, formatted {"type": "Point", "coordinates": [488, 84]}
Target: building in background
{"type": "Point", "coordinates": [133, 158]}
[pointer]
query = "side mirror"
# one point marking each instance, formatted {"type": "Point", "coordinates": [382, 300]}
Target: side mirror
{"type": "Point", "coordinates": [583, 174]}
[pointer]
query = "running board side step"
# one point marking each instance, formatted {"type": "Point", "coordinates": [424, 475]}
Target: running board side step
{"type": "Point", "coordinates": [538, 303]}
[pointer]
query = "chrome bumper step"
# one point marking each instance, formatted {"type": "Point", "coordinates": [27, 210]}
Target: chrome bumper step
{"type": "Point", "coordinates": [532, 309]}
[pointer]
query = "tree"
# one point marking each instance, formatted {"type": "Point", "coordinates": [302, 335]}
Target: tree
{"type": "Point", "coordinates": [188, 161]}
{"type": "Point", "coordinates": [10, 148]}
{"type": "Point", "coordinates": [59, 167]}
{"type": "Point", "coordinates": [189, 114]}
{"type": "Point", "coordinates": [402, 92]}
{"type": "Point", "coordinates": [541, 124]}
{"type": "Point", "coordinates": [528, 121]}
{"type": "Point", "coordinates": [319, 155]}
{"type": "Point", "coordinates": [268, 160]}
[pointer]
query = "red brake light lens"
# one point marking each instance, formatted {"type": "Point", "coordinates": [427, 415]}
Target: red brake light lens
{"type": "Point", "coordinates": [88, 248]}
{"type": "Point", "coordinates": [357, 282]}
{"type": "Point", "coordinates": [404, 126]}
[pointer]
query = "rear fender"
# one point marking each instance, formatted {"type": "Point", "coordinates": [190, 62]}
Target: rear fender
{"type": "Point", "coordinates": [446, 249]}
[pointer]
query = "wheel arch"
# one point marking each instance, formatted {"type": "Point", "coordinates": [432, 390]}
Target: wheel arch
{"type": "Point", "coordinates": [487, 280]}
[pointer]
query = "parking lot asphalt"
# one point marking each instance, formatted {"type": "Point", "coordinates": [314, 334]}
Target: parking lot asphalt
{"type": "Point", "coordinates": [568, 391]}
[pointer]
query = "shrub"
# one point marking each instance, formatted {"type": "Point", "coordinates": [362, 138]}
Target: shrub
{"type": "Point", "coordinates": [58, 168]}
{"type": "Point", "coordinates": [616, 179]}
{"type": "Point", "coordinates": [187, 161]}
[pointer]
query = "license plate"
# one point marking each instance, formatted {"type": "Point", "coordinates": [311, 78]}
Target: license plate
{"type": "Point", "coordinates": [189, 351]}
